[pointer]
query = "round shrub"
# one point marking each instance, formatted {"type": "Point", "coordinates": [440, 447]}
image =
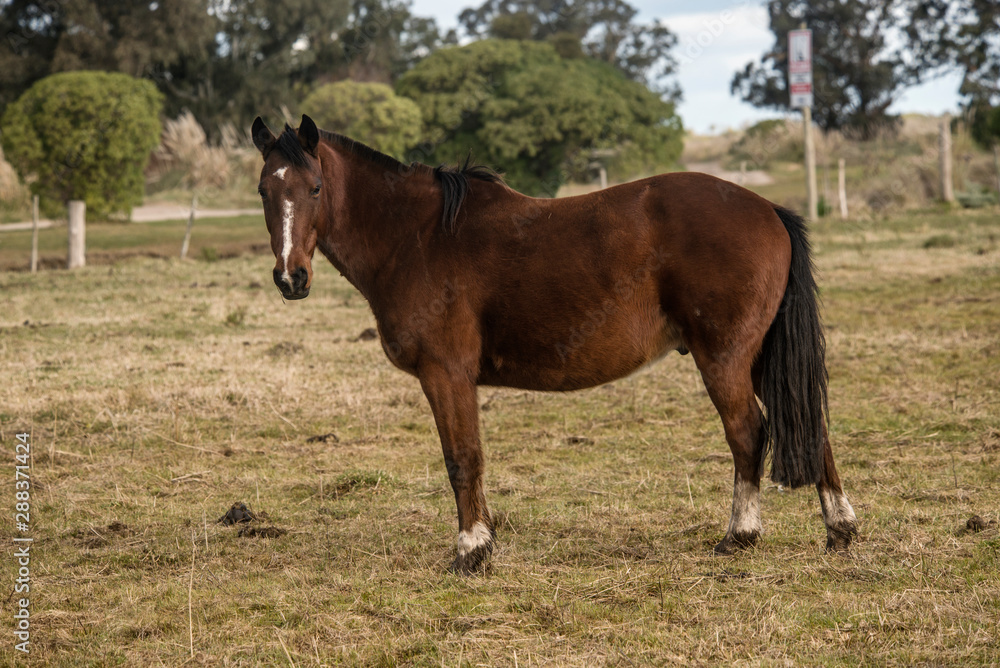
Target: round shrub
{"type": "Point", "coordinates": [371, 113]}
{"type": "Point", "coordinates": [84, 135]}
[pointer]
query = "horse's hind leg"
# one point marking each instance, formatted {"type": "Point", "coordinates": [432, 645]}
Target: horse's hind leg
{"type": "Point", "coordinates": [452, 396]}
{"type": "Point", "coordinates": [730, 386]}
{"type": "Point", "coordinates": [838, 515]}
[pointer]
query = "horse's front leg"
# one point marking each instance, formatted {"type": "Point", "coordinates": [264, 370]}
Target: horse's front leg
{"type": "Point", "coordinates": [452, 396]}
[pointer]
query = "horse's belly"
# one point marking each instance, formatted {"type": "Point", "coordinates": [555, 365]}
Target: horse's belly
{"type": "Point", "coordinates": [595, 350]}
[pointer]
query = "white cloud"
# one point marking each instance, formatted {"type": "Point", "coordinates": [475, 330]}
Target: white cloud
{"type": "Point", "coordinates": [712, 46]}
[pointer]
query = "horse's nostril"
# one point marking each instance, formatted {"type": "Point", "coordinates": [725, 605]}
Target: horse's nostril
{"type": "Point", "coordinates": [277, 278]}
{"type": "Point", "coordinates": [299, 278]}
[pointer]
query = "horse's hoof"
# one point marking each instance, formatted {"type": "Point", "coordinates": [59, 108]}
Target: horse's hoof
{"type": "Point", "coordinates": [838, 538]}
{"type": "Point", "coordinates": [475, 562]}
{"type": "Point", "coordinates": [734, 543]}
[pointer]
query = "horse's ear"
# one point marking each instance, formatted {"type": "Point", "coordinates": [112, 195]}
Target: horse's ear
{"type": "Point", "coordinates": [308, 134]}
{"type": "Point", "coordinates": [263, 138]}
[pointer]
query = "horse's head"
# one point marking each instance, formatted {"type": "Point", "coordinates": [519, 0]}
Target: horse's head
{"type": "Point", "coordinates": [290, 185]}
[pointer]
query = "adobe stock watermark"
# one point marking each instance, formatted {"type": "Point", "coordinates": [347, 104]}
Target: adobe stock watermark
{"type": "Point", "coordinates": [19, 38]}
{"type": "Point", "coordinates": [371, 25]}
{"type": "Point", "coordinates": [622, 293]}
{"type": "Point", "coordinates": [422, 321]}
{"type": "Point", "coordinates": [22, 541]}
{"type": "Point", "coordinates": [713, 28]}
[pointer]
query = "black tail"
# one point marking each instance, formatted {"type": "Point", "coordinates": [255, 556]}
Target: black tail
{"type": "Point", "coordinates": [793, 371]}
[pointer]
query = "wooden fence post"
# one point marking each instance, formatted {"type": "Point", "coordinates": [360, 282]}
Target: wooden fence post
{"type": "Point", "coordinates": [187, 232]}
{"type": "Point", "coordinates": [947, 190]}
{"type": "Point", "coordinates": [842, 188]}
{"type": "Point", "coordinates": [77, 234]}
{"type": "Point", "coordinates": [34, 234]}
{"type": "Point", "coordinates": [996, 164]}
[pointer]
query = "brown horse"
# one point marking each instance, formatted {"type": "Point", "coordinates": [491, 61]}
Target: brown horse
{"type": "Point", "coordinates": [472, 283]}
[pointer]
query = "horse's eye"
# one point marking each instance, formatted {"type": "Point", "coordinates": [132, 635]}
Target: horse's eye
{"type": "Point", "coordinates": [315, 191]}
{"type": "Point", "coordinates": [260, 191]}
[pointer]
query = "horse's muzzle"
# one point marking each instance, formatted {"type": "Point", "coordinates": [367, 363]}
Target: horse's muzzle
{"type": "Point", "coordinates": [297, 289]}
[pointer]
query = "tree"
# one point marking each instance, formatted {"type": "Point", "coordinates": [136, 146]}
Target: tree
{"type": "Point", "coordinates": [269, 52]}
{"type": "Point", "coordinates": [602, 29]}
{"type": "Point", "coordinates": [266, 49]}
{"type": "Point", "coordinates": [857, 75]}
{"type": "Point", "coordinates": [985, 128]}
{"type": "Point", "coordinates": [223, 60]}
{"type": "Point", "coordinates": [84, 135]}
{"type": "Point", "coordinates": [382, 39]}
{"type": "Point", "coordinates": [985, 125]}
{"type": "Point", "coordinates": [521, 107]}
{"type": "Point", "coordinates": [368, 112]}
{"type": "Point", "coordinates": [963, 34]}
{"type": "Point", "coordinates": [137, 37]}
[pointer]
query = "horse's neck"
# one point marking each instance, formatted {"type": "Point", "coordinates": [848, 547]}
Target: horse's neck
{"type": "Point", "coordinates": [375, 214]}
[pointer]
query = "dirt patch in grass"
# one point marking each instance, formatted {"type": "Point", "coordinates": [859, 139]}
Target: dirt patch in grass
{"type": "Point", "coordinates": [252, 531]}
{"type": "Point", "coordinates": [100, 536]}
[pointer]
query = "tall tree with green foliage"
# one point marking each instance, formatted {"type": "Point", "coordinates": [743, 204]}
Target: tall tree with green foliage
{"type": "Point", "coordinates": [269, 52]}
{"type": "Point", "coordinates": [857, 72]}
{"type": "Point", "coordinates": [382, 39]}
{"type": "Point", "coordinates": [368, 112]}
{"type": "Point", "coordinates": [268, 48]}
{"type": "Point", "coordinates": [985, 126]}
{"type": "Point", "coordinates": [521, 107]}
{"type": "Point", "coordinates": [962, 34]}
{"type": "Point", "coordinates": [137, 37]}
{"type": "Point", "coordinates": [606, 30]}
{"type": "Point", "coordinates": [84, 135]}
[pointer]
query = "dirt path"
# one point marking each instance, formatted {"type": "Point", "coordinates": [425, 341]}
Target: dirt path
{"type": "Point", "coordinates": [147, 214]}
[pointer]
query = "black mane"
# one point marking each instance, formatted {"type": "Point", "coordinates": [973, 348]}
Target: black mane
{"type": "Point", "coordinates": [454, 180]}
{"type": "Point", "coordinates": [455, 186]}
{"type": "Point", "coordinates": [288, 146]}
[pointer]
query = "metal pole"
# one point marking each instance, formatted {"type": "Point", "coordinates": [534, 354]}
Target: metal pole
{"type": "Point", "coordinates": [34, 234]}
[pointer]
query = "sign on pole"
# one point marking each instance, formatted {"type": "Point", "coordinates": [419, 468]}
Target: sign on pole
{"type": "Point", "coordinates": [800, 77]}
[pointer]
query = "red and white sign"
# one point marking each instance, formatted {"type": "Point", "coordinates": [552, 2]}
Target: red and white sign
{"type": "Point", "coordinates": [800, 68]}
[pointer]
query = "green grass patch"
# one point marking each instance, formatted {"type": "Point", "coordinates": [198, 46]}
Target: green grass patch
{"type": "Point", "coordinates": [211, 239]}
{"type": "Point", "coordinates": [940, 241]}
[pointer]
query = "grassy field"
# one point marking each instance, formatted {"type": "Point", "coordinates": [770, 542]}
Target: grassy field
{"type": "Point", "coordinates": [159, 392]}
{"type": "Point", "coordinates": [211, 238]}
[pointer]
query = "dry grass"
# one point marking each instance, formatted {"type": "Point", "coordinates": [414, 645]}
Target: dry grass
{"type": "Point", "coordinates": [185, 147]}
{"type": "Point", "coordinates": [160, 392]}
{"type": "Point", "coordinates": [223, 173]}
{"type": "Point", "coordinates": [891, 173]}
{"type": "Point", "coordinates": [14, 195]}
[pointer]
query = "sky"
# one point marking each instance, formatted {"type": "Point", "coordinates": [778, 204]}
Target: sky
{"type": "Point", "coordinates": [715, 39]}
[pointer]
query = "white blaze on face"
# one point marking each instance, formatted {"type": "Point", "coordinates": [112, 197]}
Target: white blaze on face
{"type": "Point", "coordinates": [477, 536]}
{"type": "Point", "coordinates": [287, 219]}
{"type": "Point", "coordinates": [280, 172]}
